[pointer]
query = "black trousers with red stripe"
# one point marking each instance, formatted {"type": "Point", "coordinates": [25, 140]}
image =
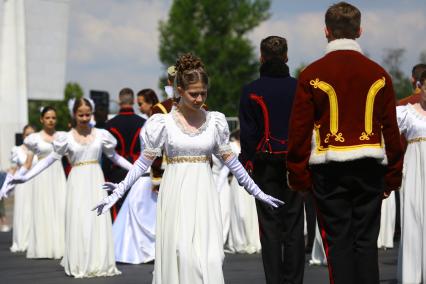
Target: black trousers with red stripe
{"type": "Point", "coordinates": [348, 196]}
{"type": "Point", "coordinates": [281, 229]}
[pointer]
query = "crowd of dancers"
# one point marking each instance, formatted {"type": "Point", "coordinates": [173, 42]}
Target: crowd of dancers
{"type": "Point", "coordinates": [182, 189]}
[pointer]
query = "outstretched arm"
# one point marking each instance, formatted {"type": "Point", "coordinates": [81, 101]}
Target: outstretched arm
{"type": "Point", "coordinates": [139, 167]}
{"type": "Point", "coordinates": [247, 182]}
{"type": "Point", "coordinates": [120, 161]}
{"type": "Point", "coordinates": [37, 169]}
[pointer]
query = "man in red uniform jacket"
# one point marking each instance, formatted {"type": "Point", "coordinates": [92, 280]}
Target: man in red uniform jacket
{"type": "Point", "coordinates": [344, 144]}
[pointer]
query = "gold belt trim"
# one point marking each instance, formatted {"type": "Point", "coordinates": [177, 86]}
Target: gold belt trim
{"type": "Point", "coordinates": [188, 159]}
{"type": "Point", "coordinates": [84, 163]}
{"type": "Point", "coordinates": [415, 140]}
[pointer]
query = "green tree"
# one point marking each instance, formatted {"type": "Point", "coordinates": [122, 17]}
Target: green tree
{"type": "Point", "coordinates": [72, 90]}
{"type": "Point", "coordinates": [216, 31]}
{"type": "Point", "coordinates": [392, 61]}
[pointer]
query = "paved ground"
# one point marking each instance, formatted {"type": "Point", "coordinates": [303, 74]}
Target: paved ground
{"type": "Point", "coordinates": [238, 269]}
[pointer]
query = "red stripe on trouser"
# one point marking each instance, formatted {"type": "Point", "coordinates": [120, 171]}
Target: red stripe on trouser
{"type": "Point", "coordinates": [325, 243]}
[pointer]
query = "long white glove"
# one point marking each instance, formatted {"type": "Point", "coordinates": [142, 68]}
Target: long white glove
{"type": "Point", "coordinates": [249, 185]}
{"type": "Point", "coordinates": [38, 168]}
{"type": "Point", "coordinates": [6, 187]}
{"type": "Point", "coordinates": [121, 161]}
{"type": "Point", "coordinates": [138, 168]}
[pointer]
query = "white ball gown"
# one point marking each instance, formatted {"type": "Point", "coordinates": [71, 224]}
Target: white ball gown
{"type": "Point", "coordinates": [22, 208]}
{"type": "Point", "coordinates": [189, 241]}
{"type": "Point", "coordinates": [134, 228]}
{"type": "Point", "coordinates": [244, 229]}
{"type": "Point", "coordinates": [318, 256]}
{"type": "Point", "coordinates": [412, 253]}
{"type": "Point", "coordinates": [220, 177]}
{"type": "Point", "coordinates": [89, 247]}
{"type": "Point", "coordinates": [48, 204]}
{"type": "Point", "coordinates": [387, 222]}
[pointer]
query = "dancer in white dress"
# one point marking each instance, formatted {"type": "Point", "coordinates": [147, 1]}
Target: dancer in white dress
{"type": "Point", "coordinates": [318, 256]}
{"type": "Point", "coordinates": [134, 228]}
{"type": "Point", "coordinates": [220, 176]}
{"type": "Point", "coordinates": [89, 248]}
{"type": "Point", "coordinates": [244, 230]}
{"type": "Point", "coordinates": [22, 207]}
{"type": "Point", "coordinates": [412, 253]}
{"type": "Point", "coordinates": [387, 222]}
{"type": "Point", "coordinates": [47, 235]}
{"type": "Point", "coordinates": [189, 245]}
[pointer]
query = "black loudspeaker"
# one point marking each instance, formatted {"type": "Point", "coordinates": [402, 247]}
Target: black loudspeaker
{"type": "Point", "coordinates": [101, 99]}
{"type": "Point", "coordinates": [19, 139]}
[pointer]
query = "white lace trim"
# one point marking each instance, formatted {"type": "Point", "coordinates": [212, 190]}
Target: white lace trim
{"type": "Point", "coordinates": [186, 131]}
{"type": "Point", "coordinates": [152, 153]}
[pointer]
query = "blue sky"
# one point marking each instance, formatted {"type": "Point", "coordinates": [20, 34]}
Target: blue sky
{"type": "Point", "coordinates": [114, 44]}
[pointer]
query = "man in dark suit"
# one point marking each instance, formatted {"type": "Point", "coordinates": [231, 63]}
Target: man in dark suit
{"type": "Point", "coordinates": [265, 107]}
{"type": "Point", "coordinates": [125, 127]}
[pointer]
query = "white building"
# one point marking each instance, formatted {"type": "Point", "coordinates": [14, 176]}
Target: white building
{"type": "Point", "coordinates": [33, 40]}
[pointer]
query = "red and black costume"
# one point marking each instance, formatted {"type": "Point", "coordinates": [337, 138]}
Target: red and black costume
{"type": "Point", "coordinates": [265, 107]}
{"type": "Point", "coordinates": [125, 127]}
{"type": "Point", "coordinates": [344, 142]}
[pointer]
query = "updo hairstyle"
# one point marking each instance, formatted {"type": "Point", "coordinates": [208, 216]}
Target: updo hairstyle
{"type": "Point", "coordinates": [190, 70]}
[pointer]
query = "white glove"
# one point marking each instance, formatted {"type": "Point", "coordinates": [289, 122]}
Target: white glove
{"type": "Point", "coordinates": [38, 168]}
{"type": "Point", "coordinates": [120, 161]}
{"type": "Point", "coordinates": [6, 187]}
{"type": "Point", "coordinates": [249, 185]}
{"type": "Point", "coordinates": [138, 168]}
{"type": "Point", "coordinates": [109, 186]}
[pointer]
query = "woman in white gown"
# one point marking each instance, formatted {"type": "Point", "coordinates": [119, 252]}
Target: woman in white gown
{"type": "Point", "coordinates": [89, 248]}
{"type": "Point", "coordinates": [244, 230]}
{"type": "Point", "coordinates": [387, 222]}
{"type": "Point", "coordinates": [220, 176]}
{"type": "Point", "coordinates": [48, 198]}
{"type": "Point", "coordinates": [134, 228]}
{"type": "Point", "coordinates": [318, 256]}
{"type": "Point", "coordinates": [22, 207]}
{"type": "Point", "coordinates": [189, 244]}
{"type": "Point", "coordinates": [412, 253]}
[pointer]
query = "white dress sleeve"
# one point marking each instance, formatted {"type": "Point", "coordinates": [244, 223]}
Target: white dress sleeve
{"type": "Point", "coordinates": [402, 118]}
{"type": "Point", "coordinates": [108, 143]}
{"type": "Point", "coordinates": [31, 142]}
{"type": "Point", "coordinates": [153, 136]}
{"type": "Point", "coordinates": [60, 145]}
{"type": "Point", "coordinates": [222, 148]}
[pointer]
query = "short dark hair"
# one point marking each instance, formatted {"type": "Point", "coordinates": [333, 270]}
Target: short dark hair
{"type": "Point", "coordinates": [418, 70]}
{"type": "Point", "coordinates": [273, 47]}
{"type": "Point", "coordinates": [422, 78]}
{"type": "Point", "coordinates": [149, 96]}
{"type": "Point", "coordinates": [28, 126]}
{"type": "Point", "coordinates": [343, 20]}
{"type": "Point", "coordinates": [126, 96]}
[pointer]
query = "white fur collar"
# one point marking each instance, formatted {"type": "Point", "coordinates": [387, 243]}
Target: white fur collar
{"type": "Point", "coordinates": [342, 44]}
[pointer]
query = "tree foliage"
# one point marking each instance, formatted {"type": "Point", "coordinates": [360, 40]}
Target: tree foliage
{"type": "Point", "coordinates": [72, 90]}
{"type": "Point", "coordinates": [216, 31]}
{"type": "Point", "coordinates": [392, 60]}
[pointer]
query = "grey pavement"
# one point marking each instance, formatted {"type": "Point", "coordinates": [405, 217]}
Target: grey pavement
{"type": "Point", "coordinates": [238, 269]}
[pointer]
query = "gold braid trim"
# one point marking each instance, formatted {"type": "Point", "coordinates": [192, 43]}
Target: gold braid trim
{"type": "Point", "coordinates": [416, 140]}
{"type": "Point", "coordinates": [85, 163]}
{"type": "Point", "coordinates": [188, 159]}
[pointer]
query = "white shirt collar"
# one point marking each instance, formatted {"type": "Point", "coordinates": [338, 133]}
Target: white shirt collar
{"type": "Point", "coordinates": [342, 44]}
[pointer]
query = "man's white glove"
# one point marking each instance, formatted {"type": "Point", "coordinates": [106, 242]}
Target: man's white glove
{"type": "Point", "coordinates": [138, 168]}
{"type": "Point", "coordinates": [249, 185]}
